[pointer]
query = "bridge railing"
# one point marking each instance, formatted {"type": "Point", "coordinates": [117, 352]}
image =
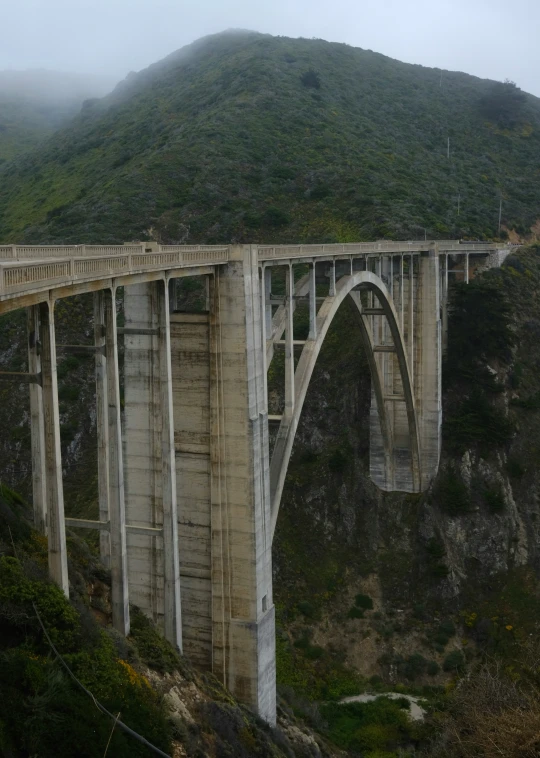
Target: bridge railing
{"type": "Point", "coordinates": [41, 252]}
{"type": "Point", "coordinates": [26, 274]}
{"type": "Point", "coordinates": [274, 252]}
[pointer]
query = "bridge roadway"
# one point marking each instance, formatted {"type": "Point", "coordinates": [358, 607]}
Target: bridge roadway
{"type": "Point", "coordinates": [188, 491]}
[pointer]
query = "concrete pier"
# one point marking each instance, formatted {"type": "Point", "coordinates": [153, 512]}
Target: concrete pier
{"type": "Point", "coordinates": [37, 431]}
{"type": "Point", "coordinates": [242, 605]}
{"type": "Point", "coordinates": [56, 531]}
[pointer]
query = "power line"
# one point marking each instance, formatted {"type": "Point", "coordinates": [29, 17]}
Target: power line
{"type": "Point", "coordinates": [98, 705]}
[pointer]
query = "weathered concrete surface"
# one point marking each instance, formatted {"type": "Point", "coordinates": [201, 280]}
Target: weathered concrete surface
{"type": "Point", "coordinates": [242, 605]}
{"type": "Point", "coordinates": [102, 425]}
{"type": "Point", "coordinates": [117, 511]}
{"type": "Point", "coordinates": [56, 530]}
{"type": "Point", "coordinates": [39, 491]}
{"type": "Point", "coordinates": [190, 349]}
{"type": "Point", "coordinates": [142, 451]}
{"type": "Point", "coordinates": [153, 565]}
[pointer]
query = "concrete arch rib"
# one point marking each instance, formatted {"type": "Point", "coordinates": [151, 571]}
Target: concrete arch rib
{"type": "Point", "coordinates": [289, 424]}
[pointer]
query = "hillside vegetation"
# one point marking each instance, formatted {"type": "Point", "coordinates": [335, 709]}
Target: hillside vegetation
{"type": "Point", "coordinates": [141, 680]}
{"type": "Point", "coordinates": [34, 104]}
{"type": "Point", "coordinates": [247, 137]}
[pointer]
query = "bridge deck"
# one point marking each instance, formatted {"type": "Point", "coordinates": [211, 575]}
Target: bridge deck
{"type": "Point", "coordinates": [28, 270]}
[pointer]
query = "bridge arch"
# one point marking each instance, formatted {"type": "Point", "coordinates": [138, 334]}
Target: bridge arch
{"type": "Point", "coordinates": [349, 286]}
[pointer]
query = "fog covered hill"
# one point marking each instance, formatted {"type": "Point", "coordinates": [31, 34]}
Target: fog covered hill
{"type": "Point", "coordinates": [35, 103]}
{"type": "Point", "coordinates": [247, 137]}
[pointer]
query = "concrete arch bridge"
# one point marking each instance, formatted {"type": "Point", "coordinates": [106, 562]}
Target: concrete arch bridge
{"type": "Point", "coordinates": [188, 492]}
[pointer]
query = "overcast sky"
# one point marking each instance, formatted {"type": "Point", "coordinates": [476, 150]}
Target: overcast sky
{"type": "Point", "coordinates": [496, 39]}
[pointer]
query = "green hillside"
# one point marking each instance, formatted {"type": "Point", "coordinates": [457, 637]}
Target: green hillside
{"type": "Point", "coordinates": [34, 104]}
{"type": "Point", "coordinates": [247, 137]}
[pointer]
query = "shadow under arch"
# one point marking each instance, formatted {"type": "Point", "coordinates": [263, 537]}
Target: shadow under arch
{"type": "Point", "coordinates": [346, 286]}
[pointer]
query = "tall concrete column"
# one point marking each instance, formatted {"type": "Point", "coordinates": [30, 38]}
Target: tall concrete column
{"type": "Point", "coordinates": [56, 530]}
{"type": "Point", "coordinates": [401, 298]}
{"type": "Point", "coordinates": [117, 512]}
{"type": "Point", "coordinates": [102, 425]}
{"type": "Point", "coordinates": [332, 286]}
{"type": "Point", "coordinates": [289, 341]}
{"type": "Point", "coordinates": [190, 355]}
{"type": "Point", "coordinates": [410, 318]}
{"type": "Point", "coordinates": [142, 449]}
{"type": "Point", "coordinates": [427, 373]}
{"type": "Point", "coordinates": [172, 614]}
{"type": "Point", "coordinates": [312, 301]}
{"type": "Point", "coordinates": [243, 639]}
{"type": "Point", "coordinates": [37, 435]}
{"type": "Point", "coordinates": [151, 486]}
{"type": "Point", "coordinates": [444, 302]}
{"type": "Point", "coordinates": [267, 291]}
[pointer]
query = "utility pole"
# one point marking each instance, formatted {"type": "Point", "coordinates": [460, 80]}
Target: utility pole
{"type": "Point", "coordinates": [448, 149]}
{"type": "Point", "coordinates": [458, 202]}
{"type": "Point", "coordinates": [500, 216]}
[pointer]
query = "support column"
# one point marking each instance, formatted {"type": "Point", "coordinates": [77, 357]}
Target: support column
{"type": "Point", "coordinates": [444, 303]}
{"type": "Point", "coordinates": [150, 465]}
{"type": "Point", "coordinates": [332, 290]}
{"type": "Point", "coordinates": [410, 326]}
{"type": "Point", "coordinates": [53, 458]}
{"type": "Point", "coordinates": [172, 284]}
{"type": "Point", "coordinates": [427, 383]}
{"type": "Point", "coordinates": [117, 514]}
{"type": "Point", "coordinates": [312, 302]}
{"type": "Point", "coordinates": [401, 297]}
{"type": "Point", "coordinates": [102, 425]}
{"type": "Point", "coordinates": [143, 450]}
{"type": "Point", "coordinates": [172, 615]}
{"type": "Point", "coordinates": [289, 341]}
{"type": "Point", "coordinates": [267, 291]}
{"type": "Point", "coordinates": [39, 494]}
{"type": "Point", "coordinates": [243, 638]}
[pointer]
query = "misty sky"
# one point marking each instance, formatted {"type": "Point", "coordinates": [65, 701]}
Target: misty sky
{"type": "Point", "coordinates": [496, 39]}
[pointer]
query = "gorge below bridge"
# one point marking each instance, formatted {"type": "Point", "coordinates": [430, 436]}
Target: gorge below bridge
{"type": "Point", "coordinates": [188, 492]}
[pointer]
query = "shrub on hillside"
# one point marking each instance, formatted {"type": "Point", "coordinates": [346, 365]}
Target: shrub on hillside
{"type": "Point", "coordinates": [311, 79]}
{"type": "Point", "coordinates": [454, 661]}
